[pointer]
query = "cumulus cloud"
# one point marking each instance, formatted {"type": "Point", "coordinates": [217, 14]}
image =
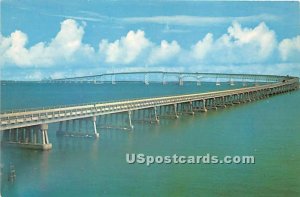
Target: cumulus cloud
{"type": "Point", "coordinates": [202, 47]}
{"type": "Point", "coordinates": [290, 49]}
{"type": "Point", "coordinates": [238, 45]}
{"type": "Point", "coordinates": [127, 49]}
{"type": "Point", "coordinates": [261, 38]}
{"type": "Point", "coordinates": [67, 46]}
{"type": "Point", "coordinates": [13, 49]}
{"type": "Point", "coordinates": [164, 52]}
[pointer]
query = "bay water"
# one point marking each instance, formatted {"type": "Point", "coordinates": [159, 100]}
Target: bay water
{"type": "Point", "coordinates": [268, 129]}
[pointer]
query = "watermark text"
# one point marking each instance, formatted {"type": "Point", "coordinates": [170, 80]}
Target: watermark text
{"type": "Point", "coordinates": [183, 159]}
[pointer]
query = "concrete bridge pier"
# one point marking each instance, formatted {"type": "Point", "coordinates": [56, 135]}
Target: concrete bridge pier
{"type": "Point", "coordinates": [247, 97]}
{"type": "Point", "coordinates": [228, 100]}
{"type": "Point", "coordinates": [263, 94]}
{"type": "Point", "coordinates": [34, 137]}
{"type": "Point", "coordinates": [187, 108]}
{"type": "Point", "coordinates": [268, 93]}
{"type": "Point", "coordinates": [242, 98]}
{"type": "Point", "coordinates": [73, 128]}
{"type": "Point", "coordinates": [211, 103]}
{"type": "Point", "coordinates": [198, 80]}
{"type": "Point", "coordinates": [252, 96]}
{"type": "Point", "coordinates": [146, 79]}
{"type": "Point", "coordinates": [113, 79]}
{"type": "Point", "coordinates": [244, 83]}
{"type": "Point", "coordinates": [196, 105]}
{"type": "Point", "coordinates": [221, 102]}
{"type": "Point", "coordinates": [169, 111]}
{"type": "Point", "coordinates": [203, 109]}
{"type": "Point", "coordinates": [218, 83]}
{"type": "Point", "coordinates": [96, 134]}
{"type": "Point", "coordinates": [180, 80]}
{"type": "Point", "coordinates": [175, 110]}
{"type": "Point", "coordinates": [214, 104]}
{"type": "Point", "coordinates": [231, 82]}
{"type": "Point", "coordinates": [148, 115]}
{"type": "Point", "coordinates": [260, 94]}
{"type": "Point", "coordinates": [129, 119]}
{"type": "Point", "coordinates": [155, 115]}
{"type": "Point", "coordinates": [164, 82]}
{"type": "Point", "coordinates": [44, 130]}
{"type": "Point", "coordinates": [236, 99]}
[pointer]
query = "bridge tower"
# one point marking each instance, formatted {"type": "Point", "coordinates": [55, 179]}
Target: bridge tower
{"type": "Point", "coordinates": [146, 79]}
{"type": "Point", "coordinates": [113, 79]}
{"type": "Point", "coordinates": [164, 82]}
{"type": "Point", "coordinates": [180, 79]}
{"type": "Point", "coordinates": [198, 80]}
{"type": "Point", "coordinates": [231, 82]}
{"type": "Point", "coordinates": [217, 82]}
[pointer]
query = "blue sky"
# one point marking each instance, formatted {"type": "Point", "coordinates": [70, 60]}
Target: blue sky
{"type": "Point", "coordinates": [60, 38]}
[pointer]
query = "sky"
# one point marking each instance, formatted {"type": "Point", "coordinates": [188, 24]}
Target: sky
{"type": "Point", "coordinates": [61, 38]}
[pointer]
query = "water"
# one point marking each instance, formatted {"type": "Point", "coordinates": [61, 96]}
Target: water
{"type": "Point", "coordinates": [268, 129]}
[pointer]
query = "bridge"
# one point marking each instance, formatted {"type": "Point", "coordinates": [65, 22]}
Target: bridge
{"type": "Point", "coordinates": [165, 77]}
{"type": "Point", "coordinates": [29, 128]}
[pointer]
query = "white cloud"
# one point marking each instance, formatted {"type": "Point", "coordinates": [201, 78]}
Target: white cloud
{"type": "Point", "coordinates": [14, 48]}
{"type": "Point", "coordinates": [127, 49]}
{"type": "Point", "coordinates": [187, 20]}
{"type": "Point", "coordinates": [184, 20]}
{"type": "Point", "coordinates": [93, 19]}
{"type": "Point", "coordinates": [67, 47]}
{"type": "Point", "coordinates": [57, 75]}
{"type": "Point", "coordinates": [256, 47]}
{"type": "Point", "coordinates": [260, 37]}
{"type": "Point", "coordinates": [290, 48]}
{"type": "Point", "coordinates": [238, 45]}
{"type": "Point", "coordinates": [163, 52]}
{"type": "Point", "coordinates": [36, 75]}
{"type": "Point", "coordinates": [202, 47]}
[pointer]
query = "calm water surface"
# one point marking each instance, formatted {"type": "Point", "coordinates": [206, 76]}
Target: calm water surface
{"type": "Point", "coordinates": [268, 129]}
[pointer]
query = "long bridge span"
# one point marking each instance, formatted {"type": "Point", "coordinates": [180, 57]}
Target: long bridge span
{"type": "Point", "coordinates": [29, 128]}
{"type": "Point", "coordinates": [165, 77]}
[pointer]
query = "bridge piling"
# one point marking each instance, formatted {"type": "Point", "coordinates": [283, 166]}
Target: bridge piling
{"type": "Point", "coordinates": [155, 115]}
{"type": "Point", "coordinates": [146, 79]}
{"type": "Point", "coordinates": [180, 80]}
{"type": "Point", "coordinates": [164, 82]}
{"type": "Point", "coordinates": [75, 130]}
{"type": "Point", "coordinates": [169, 111]}
{"type": "Point", "coordinates": [148, 115]}
{"type": "Point", "coordinates": [213, 104]}
{"type": "Point", "coordinates": [203, 109]}
{"type": "Point", "coordinates": [187, 108]}
{"type": "Point", "coordinates": [23, 137]}
{"type": "Point", "coordinates": [96, 134]}
{"type": "Point", "coordinates": [175, 110]}
{"type": "Point", "coordinates": [129, 120]}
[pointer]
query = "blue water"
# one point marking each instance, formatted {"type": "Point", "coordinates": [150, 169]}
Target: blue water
{"type": "Point", "coordinates": [32, 95]}
{"type": "Point", "coordinates": [268, 129]}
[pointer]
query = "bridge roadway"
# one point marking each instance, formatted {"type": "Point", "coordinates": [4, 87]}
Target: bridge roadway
{"type": "Point", "coordinates": [29, 128]}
